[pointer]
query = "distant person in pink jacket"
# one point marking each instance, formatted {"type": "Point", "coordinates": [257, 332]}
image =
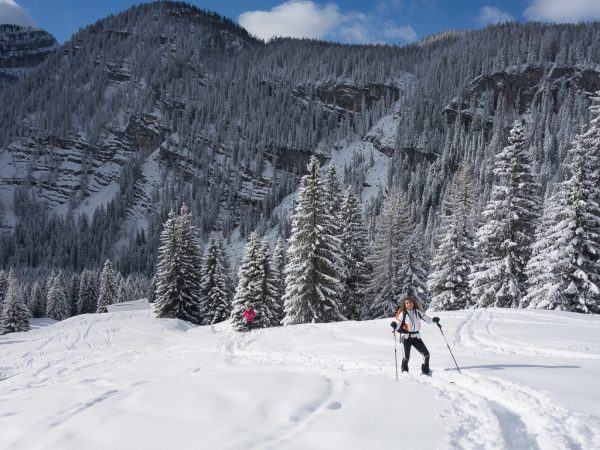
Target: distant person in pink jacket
{"type": "Point", "coordinates": [248, 316]}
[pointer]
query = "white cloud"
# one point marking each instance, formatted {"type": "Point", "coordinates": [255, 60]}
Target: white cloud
{"type": "Point", "coordinates": [563, 10]}
{"type": "Point", "coordinates": [307, 19]}
{"type": "Point", "coordinates": [491, 15]}
{"type": "Point", "coordinates": [295, 18]}
{"type": "Point", "coordinates": [11, 12]}
{"type": "Point", "coordinates": [405, 33]}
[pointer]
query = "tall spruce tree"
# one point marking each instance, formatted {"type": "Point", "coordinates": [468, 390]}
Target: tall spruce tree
{"type": "Point", "coordinates": [249, 283]}
{"type": "Point", "coordinates": [107, 294]}
{"type": "Point", "coordinates": [564, 270]}
{"type": "Point", "coordinates": [355, 252]}
{"type": "Point", "coordinates": [88, 293]}
{"type": "Point", "coordinates": [278, 263]}
{"type": "Point", "coordinates": [315, 271]}
{"type": "Point", "coordinates": [393, 228]}
{"type": "Point", "coordinates": [177, 281]}
{"type": "Point", "coordinates": [15, 314]}
{"type": "Point", "coordinates": [448, 281]}
{"type": "Point", "coordinates": [268, 292]}
{"type": "Point", "coordinates": [57, 303]}
{"type": "Point", "coordinates": [38, 299]}
{"type": "Point", "coordinates": [413, 270]}
{"type": "Point", "coordinates": [505, 238]}
{"type": "Point", "coordinates": [3, 287]}
{"type": "Point", "coordinates": [216, 301]}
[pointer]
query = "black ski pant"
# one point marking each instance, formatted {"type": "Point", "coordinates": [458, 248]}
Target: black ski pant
{"type": "Point", "coordinates": [419, 345]}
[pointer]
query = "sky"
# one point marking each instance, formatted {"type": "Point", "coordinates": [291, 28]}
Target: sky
{"type": "Point", "coordinates": [349, 21]}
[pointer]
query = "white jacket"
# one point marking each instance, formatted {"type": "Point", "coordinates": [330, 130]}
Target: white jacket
{"type": "Point", "coordinates": [412, 322]}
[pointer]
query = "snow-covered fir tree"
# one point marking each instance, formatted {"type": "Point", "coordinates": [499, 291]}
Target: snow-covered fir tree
{"type": "Point", "coordinates": [333, 198]}
{"type": "Point", "coordinates": [88, 292]}
{"type": "Point", "coordinates": [215, 305]}
{"type": "Point", "coordinates": [393, 228]}
{"type": "Point", "coordinates": [39, 296]}
{"type": "Point", "coordinates": [413, 269]}
{"type": "Point", "coordinates": [73, 293]}
{"type": "Point", "coordinates": [3, 287]}
{"type": "Point", "coordinates": [120, 288]}
{"type": "Point", "coordinates": [315, 270]}
{"type": "Point", "coordinates": [107, 294]}
{"type": "Point", "coordinates": [15, 315]}
{"type": "Point", "coordinates": [355, 251]}
{"type": "Point", "coordinates": [564, 270]}
{"type": "Point", "coordinates": [278, 263]}
{"type": "Point", "coordinates": [249, 287]}
{"type": "Point", "coordinates": [177, 277]}
{"type": "Point", "coordinates": [57, 303]}
{"type": "Point", "coordinates": [504, 240]}
{"type": "Point", "coordinates": [272, 308]}
{"type": "Point", "coordinates": [448, 281]}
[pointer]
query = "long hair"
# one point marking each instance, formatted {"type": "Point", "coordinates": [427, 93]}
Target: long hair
{"type": "Point", "coordinates": [416, 304]}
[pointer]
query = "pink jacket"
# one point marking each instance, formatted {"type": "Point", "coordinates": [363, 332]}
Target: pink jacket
{"type": "Point", "coordinates": [249, 315]}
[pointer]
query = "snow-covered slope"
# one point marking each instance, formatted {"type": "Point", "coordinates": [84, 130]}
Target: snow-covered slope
{"type": "Point", "coordinates": [127, 381]}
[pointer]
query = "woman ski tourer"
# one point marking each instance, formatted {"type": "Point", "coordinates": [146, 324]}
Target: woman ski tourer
{"type": "Point", "coordinates": [248, 316]}
{"type": "Point", "coordinates": [408, 324]}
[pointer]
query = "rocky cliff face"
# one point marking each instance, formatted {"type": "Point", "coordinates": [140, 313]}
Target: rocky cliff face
{"type": "Point", "coordinates": [22, 49]}
{"type": "Point", "coordinates": [166, 103]}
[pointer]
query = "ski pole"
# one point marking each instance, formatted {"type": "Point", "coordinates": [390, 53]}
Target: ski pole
{"type": "Point", "coordinates": [396, 355]}
{"type": "Point", "coordinates": [451, 354]}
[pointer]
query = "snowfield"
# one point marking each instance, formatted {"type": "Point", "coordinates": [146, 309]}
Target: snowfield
{"type": "Point", "coordinates": [530, 380]}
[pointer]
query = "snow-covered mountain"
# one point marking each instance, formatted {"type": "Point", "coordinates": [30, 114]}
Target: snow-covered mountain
{"type": "Point", "coordinates": [22, 49]}
{"type": "Point", "coordinates": [166, 103]}
{"type": "Point", "coordinates": [127, 380]}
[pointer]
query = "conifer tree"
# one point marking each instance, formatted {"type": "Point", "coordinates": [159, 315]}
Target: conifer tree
{"type": "Point", "coordinates": [504, 240]}
{"type": "Point", "coordinates": [38, 299]}
{"type": "Point", "coordinates": [216, 302]}
{"type": "Point", "coordinates": [15, 315]}
{"type": "Point", "coordinates": [278, 263]}
{"type": "Point", "coordinates": [268, 294]}
{"type": "Point", "coordinates": [564, 270]}
{"type": "Point", "coordinates": [355, 252]}
{"type": "Point", "coordinates": [190, 260]}
{"type": "Point", "coordinates": [393, 228]}
{"type": "Point", "coordinates": [448, 281]}
{"type": "Point", "coordinates": [413, 270]}
{"type": "Point", "coordinates": [88, 293]}
{"type": "Point", "coordinates": [315, 269]}
{"type": "Point", "coordinates": [249, 283]}
{"type": "Point", "coordinates": [3, 287]}
{"type": "Point", "coordinates": [57, 304]}
{"type": "Point", "coordinates": [106, 292]}
{"type": "Point", "coordinates": [177, 281]}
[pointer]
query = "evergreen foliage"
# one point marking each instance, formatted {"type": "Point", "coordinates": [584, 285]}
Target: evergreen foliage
{"type": "Point", "coordinates": [504, 240]}
{"type": "Point", "coordinates": [57, 303]}
{"type": "Point", "coordinates": [315, 271]}
{"type": "Point", "coordinates": [448, 281]}
{"type": "Point", "coordinates": [393, 230]}
{"type": "Point", "coordinates": [564, 270]}
{"type": "Point", "coordinates": [354, 248]}
{"type": "Point", "coordinates": [216, 296]}
{"type": "Point", "coordinates": [15, 315]}
{"type": "Point", "coordinates": [107, 294]}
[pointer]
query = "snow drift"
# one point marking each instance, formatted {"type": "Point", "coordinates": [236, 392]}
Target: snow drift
{"type": "Point", "coordinates": [128, 380]}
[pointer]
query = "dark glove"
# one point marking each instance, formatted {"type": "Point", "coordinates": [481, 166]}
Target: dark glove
{"type": "Point", "coordinates": [436, 320]}
{"type": "Point", "coordinates": [394, 325]}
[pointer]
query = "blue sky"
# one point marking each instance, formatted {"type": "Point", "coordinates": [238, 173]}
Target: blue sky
{"type": "Point", "coordinates": [354, 21]}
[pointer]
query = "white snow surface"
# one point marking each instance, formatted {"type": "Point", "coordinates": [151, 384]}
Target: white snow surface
{"type": "Point", "coordinates": [126, 380]}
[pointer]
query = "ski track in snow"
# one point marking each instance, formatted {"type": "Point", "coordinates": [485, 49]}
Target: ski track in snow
{"type": "Point", "coordinates": [518, 417]}
{"type": "Point", "coordinates": [488, 412]}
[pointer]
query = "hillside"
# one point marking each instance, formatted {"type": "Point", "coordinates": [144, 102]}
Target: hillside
{"type": "Point", "coordinates": [127, 380]}
{"type": "Point", "coordinates": [166, 103]}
